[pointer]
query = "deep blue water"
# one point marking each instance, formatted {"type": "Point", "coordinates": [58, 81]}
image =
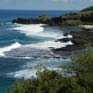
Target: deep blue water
{"type": "Point", "coordinates": [11, 66]}
{"type": "Point", "coordinates": [7, 15]}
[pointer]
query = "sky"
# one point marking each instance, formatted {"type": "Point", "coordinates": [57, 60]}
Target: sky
{"type": "Point", "coordinates": [45, 4]}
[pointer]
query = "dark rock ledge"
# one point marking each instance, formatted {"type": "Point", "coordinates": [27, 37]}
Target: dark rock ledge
{"type": "Point", "coordinates": [79, 40]}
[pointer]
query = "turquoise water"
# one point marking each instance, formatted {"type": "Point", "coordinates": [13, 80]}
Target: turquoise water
{"type": "Point", "coordinates": [23, 62]}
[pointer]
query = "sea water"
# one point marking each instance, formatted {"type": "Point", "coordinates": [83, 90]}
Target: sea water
{"type": "Point", "coordinates": [24, 49]}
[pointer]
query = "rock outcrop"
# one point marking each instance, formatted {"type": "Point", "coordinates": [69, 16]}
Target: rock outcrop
{"type": "Point", "coordinates": [79, 40]}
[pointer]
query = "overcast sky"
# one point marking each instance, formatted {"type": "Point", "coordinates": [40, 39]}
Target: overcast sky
{"type": "Point", "coordinates": [45, 4]}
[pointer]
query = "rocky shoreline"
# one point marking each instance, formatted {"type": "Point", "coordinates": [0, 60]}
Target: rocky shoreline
{"type": "Point", "coordinates": [83, 19]}
{"type": "Point", "coordinates": [79, 40]}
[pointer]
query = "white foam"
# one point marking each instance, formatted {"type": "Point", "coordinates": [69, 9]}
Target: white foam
{"type": "Point", "coordinates": [51, 34]}
{"type": "Point", "coordinates": [30, 29]}
{"type": "Point", "coordinates": [9, 48]}
{"type": "Point", "coordinates": [25, 74]}
{"type": "Point", "coordinates": [69, 36]}
{"type": "Point", "coordinates": [49, 44]}
{"type": "Point", "coordinates": [28, 73]}
{"type": "Point", "coordinates": [37, 50]}
{"type": "Point", "coordinates": [38, 30]}
{"type": "Point", "coordinates": [29, 69]}
{"type": "Point", "coordinates": [54, 35]}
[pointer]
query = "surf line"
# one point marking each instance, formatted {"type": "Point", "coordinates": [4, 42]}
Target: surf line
{"type": "Point", "coordinates": [9, 48]}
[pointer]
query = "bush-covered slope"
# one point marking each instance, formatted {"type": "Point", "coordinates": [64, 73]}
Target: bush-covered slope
{"type": "Point", "coordinates": [53, 82]}
{"type": "Point", "coordinates": [87, 9]}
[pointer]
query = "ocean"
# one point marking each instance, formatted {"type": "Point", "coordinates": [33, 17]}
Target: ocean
{"type": "Point", "coordinates": [25, 49]}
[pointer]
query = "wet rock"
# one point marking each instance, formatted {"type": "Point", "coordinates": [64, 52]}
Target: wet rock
{"type": "Point", "coordinates": [79, 40]}
{"type": "Point", "coordinates": [63, 40]}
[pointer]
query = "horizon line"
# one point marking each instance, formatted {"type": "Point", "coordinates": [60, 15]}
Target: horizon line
{"type": "Point", "coordinates": [40, 10]}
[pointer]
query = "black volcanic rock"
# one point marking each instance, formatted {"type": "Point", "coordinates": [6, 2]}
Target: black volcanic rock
{"type": "Point", "coordinates": [70, 48]}
{"type": "Point", "coordinates": [79, 40]}
{"type": "Point", "coordinates": [26, 21]}
{"type": "Point", "coordinates": [66, 34]}
{"type": "Point", "coordinates": [69, 19]}
{"type": "Point", "coordinates": [63, 40]}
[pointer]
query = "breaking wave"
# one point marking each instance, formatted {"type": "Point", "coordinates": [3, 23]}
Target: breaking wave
{"type": "Point", "coordinates": [30, 69]}
{"type": "Point", "coordinates": [9, 48]}
{"type": "Point", "coordinates": [39, 50]}
{"type": "Point", "coordinates": [50, 44]}
{"type": "Point", "coordinates": [27, 73]}
{"type": "Point", "coordinates": [29, 29]}
{"type": "Point", "coordinates": [39, 30]}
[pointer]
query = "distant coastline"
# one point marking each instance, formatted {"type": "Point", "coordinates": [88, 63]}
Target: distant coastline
{"type": "Point", "coordinates": [83, 19]}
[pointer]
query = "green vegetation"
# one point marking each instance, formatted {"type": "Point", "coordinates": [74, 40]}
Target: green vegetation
{"type": "Point", "coordinates": [54, 82]}
{"type": "Point", "coordinates": [71, 16]}
{"type": "Point", "coordinates": [83, 17]}
{"type": "Point", "coordinates": [72, 22]}
{"type": "Point", "coordinates": [87, 9]}
{"type": "Point", "coordinates": [44, 18]}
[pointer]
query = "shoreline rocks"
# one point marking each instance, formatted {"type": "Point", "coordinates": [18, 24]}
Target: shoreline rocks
{"type": "Point", "coordinates": [79, 40]}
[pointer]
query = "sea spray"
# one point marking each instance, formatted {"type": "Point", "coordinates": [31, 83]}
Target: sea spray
{"type": "Point", "coordinates": [49, 44]}
{"type": "Point", "coordinates": [9, 48]}
{"type": "Point", "coordinates": [40, 30]}
{"type": "Point", "coordinates": [28, 70]}
{"type": "Point", "coordinates": [30, 29]}
{"type": "Point", "coordinates": [41, 49]}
